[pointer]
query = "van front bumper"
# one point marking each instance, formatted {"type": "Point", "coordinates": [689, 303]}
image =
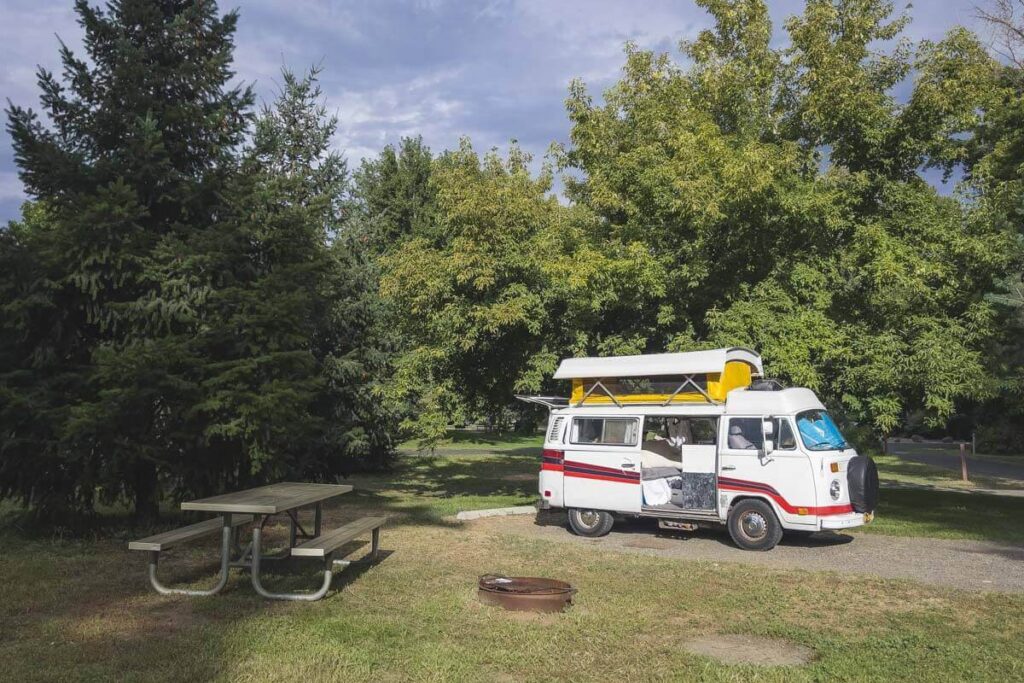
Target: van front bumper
{"type": "Point", "coordinates": [846, 521]}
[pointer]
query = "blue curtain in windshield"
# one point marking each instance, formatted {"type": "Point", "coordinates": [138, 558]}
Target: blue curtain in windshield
{"type": "Point", "coordinates": [819, 432]}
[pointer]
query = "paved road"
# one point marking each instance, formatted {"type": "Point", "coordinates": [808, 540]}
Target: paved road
{"type": "Point", "coordinates": [947, 456]}
{"type": "Point", "coordinates": [971, 565]}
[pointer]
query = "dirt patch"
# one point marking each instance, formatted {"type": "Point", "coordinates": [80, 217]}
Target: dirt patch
{"type": "Point", "coordinates": [736, 649]}
{"type": "Point", "coordinates": [123, 621]}
{"type": "Point", "coordinates": [652, 543]}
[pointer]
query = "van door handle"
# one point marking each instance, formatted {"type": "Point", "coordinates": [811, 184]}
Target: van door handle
{"type": "Point", "coordinates": [728, 467]}
{"type": "Point", "coordinates": [628, 465]}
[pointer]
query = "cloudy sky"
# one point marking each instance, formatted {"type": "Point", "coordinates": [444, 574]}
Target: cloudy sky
{"type": "Point", "coordinates": [493, 70]}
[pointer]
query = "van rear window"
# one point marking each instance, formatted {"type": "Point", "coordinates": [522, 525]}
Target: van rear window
{"type": "Point", "coordinates": [607, 431]}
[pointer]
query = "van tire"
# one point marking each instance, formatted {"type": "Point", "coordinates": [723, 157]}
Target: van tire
{"type": "Point", "coordinates": [753, 525]}
{"type": "Point", "coordinates": [590, 523]}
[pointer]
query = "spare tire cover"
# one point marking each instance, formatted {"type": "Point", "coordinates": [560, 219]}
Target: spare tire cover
{"type": "Point", "coordinates": [862, 478]}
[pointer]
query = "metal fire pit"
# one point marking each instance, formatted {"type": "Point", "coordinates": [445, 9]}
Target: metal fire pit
{"type": "Point", "coordinates": [525, 593]}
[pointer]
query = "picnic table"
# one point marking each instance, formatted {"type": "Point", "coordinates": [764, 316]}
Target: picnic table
{"type": "Point", "coordinates": [257, 506]}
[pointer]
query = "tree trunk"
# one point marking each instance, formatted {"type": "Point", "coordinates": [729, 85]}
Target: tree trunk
{"type": "Point", "coordinates": [147, 507]}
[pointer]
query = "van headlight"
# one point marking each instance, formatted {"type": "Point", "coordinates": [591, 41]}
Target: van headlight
{"type": "Point", "coordinates": [833, 490]}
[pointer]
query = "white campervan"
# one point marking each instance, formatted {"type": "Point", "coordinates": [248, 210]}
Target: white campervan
{"type": "Point", "coordinates": [699, 438]}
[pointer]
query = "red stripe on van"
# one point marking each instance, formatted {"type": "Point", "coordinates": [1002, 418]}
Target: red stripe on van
{"type": "Point", "coordinates": [551, 467]}
{"type": "Point", "coordinates": [600, 469]}
{"type": "Point", "coordinates": [601, 477]}
{"type": "Point", "coordinates": [730, 484]}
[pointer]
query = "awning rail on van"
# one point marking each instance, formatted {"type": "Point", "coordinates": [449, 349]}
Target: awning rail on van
{"type": "Point", "coordinates": [549, 401]}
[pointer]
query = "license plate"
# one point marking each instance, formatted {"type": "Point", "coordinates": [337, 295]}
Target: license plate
{"type": "Point", "coordinates": [868, 516]}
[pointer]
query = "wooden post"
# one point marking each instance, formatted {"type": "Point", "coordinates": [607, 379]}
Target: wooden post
{"type": "Point", "coordinates": [963, 460]}
{"type": "Point", "coordinates": [885, 445]}
{"type": "Point", "coordinates": [974, 445]}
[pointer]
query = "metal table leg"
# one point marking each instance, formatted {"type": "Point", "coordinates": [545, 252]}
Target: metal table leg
{"type": "Point", "coordinates": [225, 559]}
{"type": "Point", "coordinates": [258, 586]}
{"type": "Point", "coordinates": [244, 560]}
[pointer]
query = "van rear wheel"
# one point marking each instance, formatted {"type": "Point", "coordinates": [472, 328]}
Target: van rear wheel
{"type": "Point", "coordinates": [592, 523]}
{"type": "Point", "coordinates": [754, 526]}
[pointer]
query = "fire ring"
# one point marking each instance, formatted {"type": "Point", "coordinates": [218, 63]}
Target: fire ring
{"type": "Point", "coordinates": [525, 593]}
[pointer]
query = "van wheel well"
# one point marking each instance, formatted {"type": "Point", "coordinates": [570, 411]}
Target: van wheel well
{"type": "Point", "coordinates": [747, 496]}
{"type": "Point", "coordinates": [741, 498]}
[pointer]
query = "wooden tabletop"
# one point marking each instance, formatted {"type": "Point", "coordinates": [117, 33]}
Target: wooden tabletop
{"type": "Point", "coordinates": [268, 500]}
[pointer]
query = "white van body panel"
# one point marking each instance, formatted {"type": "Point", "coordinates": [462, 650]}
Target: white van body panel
{"type": "Point", "coordinates": [795, 482]}
{"type": "Point", "coordinates": [785, 479]}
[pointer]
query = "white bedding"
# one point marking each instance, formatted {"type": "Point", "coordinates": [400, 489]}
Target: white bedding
{"type": "Point", "coordinates": [656, 491]}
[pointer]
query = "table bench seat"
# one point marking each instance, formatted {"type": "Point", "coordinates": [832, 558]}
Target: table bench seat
{"type": "Point", "coordinates": [167, 539]}
{"type": "Point", "coordinates": [325, 544]}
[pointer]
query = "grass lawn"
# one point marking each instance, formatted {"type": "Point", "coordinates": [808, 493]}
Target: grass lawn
{"type": "Point", "coordinates": [82, 610]}
{"type": "Point", "coordinates": [476, 470]}
{"type": "Point", "coordinates": [1013, 459]}
{"type": "Point", "coordinates": [895, 469]}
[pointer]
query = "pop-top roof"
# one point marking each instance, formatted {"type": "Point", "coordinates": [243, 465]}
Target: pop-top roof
{"type": "Point", "coordinates": [655, 364]}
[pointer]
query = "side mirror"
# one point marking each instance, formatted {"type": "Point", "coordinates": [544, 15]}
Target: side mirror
{"type": "Point", "coordinates": [768, 431]}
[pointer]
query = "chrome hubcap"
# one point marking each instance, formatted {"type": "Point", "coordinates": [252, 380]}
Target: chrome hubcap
{"type": "Point", "coordinates": [753, 525]}
{"type": "Point", "coordinates": [589, 518]}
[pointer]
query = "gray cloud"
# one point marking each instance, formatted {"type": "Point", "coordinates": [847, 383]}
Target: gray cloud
{"type": "Point", "coordinates": [493, 70]}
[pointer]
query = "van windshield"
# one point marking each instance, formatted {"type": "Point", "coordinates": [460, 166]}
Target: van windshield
{"type": "Point", "coordinates": [819, 432]}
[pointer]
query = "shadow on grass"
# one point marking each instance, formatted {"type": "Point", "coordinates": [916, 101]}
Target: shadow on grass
{"type": "Point", "coordinates": [86, 593]}
{"type": "Point", "coordinates": [459, 441]}
{"type": "Point", "coordinates": [469, 437]}
{"type": "Point", "coordinates": [995, 518]}
{"type": "Point", "coordinates": [305, 574]}
{"type": "Point", "coordinates": [898, 466]}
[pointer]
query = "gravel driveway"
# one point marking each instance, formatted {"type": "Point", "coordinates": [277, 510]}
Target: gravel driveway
{"type": "Point", "coordinates": [970, 565]}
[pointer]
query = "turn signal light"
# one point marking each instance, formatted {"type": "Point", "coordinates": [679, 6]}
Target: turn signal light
{"type": "Point", "coordinates": [834, 467]}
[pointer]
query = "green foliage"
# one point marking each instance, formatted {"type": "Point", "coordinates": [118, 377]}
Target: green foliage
{"type": "Point", "coordinates": [176, 317]}
{"type": "Point", "coordinates": [482, 298]}
{"type": "Point", "coordinates": [199, 297]}
{"type": "Point", "coordinates": [995, 164]}
{"type": "Point", "coordinates": [394, 198]}
{"type": "Point", "coordinates": [141, 145]}
{"type": "Point", "coordinates": [850, 274]}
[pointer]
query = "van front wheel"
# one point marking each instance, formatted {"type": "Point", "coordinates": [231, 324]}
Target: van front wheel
{"type": "Point", "coordinates": [754, 526]}
{"type": "Point", "coordinates": [592, 523]}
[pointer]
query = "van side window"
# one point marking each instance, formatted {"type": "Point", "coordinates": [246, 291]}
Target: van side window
{"type": "Point", "coordinates": [611, 431]}
{"type": "Point", "coordinates": [704, 430]}
{"type": "Point", "coordinates": [785, 438]}
{"type": "Point", "coordinates": [745, 433]}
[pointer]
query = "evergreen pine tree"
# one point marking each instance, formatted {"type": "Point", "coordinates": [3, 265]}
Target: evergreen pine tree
{"type": "Point", "coordinates": [129, 175]}
{"type": "Point", "coordinates": [288, 355]}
